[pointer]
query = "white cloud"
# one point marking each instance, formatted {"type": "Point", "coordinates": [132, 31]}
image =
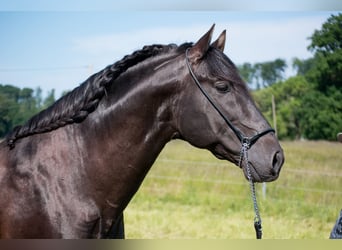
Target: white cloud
{"type": "Point", "coordinates": [263, 41]}
{"type": "Point", "coordinates": [249, 41]}
{"type": "Point", "coordinates": [125, 42]}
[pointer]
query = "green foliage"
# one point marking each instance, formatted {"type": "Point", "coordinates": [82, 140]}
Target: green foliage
{"type": "Point", "coordinates": [309, 105]}
{"type": "Point", "coordinates": [263, 74]}
{"type": "Point", "coordinates": [328, 39]}
{"type": "Point", "coordinates": [18, 105]}
{"type": "Point", "coordinates": [302, 110]}
{"type": "Point", "coordinates": [247, 72]}
{"type": "Point", "coordinates": [321, 114]}
{"type": "Point", "coordinates": [326, 43]}
{"type": "Point", "coordinates": [271, 72]}
{"type": "Point", "coordinates": [50, 99]}
{"type": "Point", "coordinates": [288, 101]}
{"type": "Point", "coordinates": [302, 67]}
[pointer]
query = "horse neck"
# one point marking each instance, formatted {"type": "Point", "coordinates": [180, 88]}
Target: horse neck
{"type": "Point", "coordinates": [143, 100]}
{"type": "Point", "coordinates": [131, 126]}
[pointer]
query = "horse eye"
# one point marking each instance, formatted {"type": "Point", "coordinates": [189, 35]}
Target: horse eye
{"type": "Point", "coordinates": [222, 87]}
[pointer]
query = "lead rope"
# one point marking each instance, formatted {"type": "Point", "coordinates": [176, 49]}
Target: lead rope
{"type": "Point", "coordinates": [246, 143]}
{"type": "Point", "coordinates": [244, 156]}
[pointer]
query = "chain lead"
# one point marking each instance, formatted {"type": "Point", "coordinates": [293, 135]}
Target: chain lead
{"type": "Point", "coordinates": [244, 156]}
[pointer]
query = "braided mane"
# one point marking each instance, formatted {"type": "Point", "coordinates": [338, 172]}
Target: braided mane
{"type": "Point", "coordinates": [75, 106]}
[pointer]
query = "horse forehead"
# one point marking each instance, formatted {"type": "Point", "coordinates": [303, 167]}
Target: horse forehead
{"type": "Point", "coordinates": [219, 67]}
{"type": "Point", "coordinates": [221, 62]}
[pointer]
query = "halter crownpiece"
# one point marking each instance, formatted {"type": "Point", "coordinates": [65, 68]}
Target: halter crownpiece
{"type": "Point", "coordinates": [246, 143]}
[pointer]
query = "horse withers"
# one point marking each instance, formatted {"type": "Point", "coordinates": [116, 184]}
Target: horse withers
{"type": "Point", "coordinates": [70, 171]}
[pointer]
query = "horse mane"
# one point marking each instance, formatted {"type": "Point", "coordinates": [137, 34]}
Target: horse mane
{"type": "Point", "coordinates": [75, 106]}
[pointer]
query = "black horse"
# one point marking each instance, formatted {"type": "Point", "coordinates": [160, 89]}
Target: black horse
{"type": "Point", "coordinates": [71, 170]}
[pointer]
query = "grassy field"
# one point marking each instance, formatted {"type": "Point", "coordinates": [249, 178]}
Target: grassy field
{"type": "Point", "coordinates": [190, 194]}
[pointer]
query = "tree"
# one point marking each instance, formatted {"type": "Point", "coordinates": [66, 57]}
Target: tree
{"type": "Point", "coordinates": [271, 72]}
{"type": "Point", "coordinates": [302, 67]}
{"type": "Point", "coordinates": [18, 105]}
{"type": "Point", "coordinates": [50, 99]}
{"type": "Point", "coordinates": [247, 72]}
{"type": "Point", "coordinates": [326, 43]}
{"type": "Point", "coordinates": [263, 74]}
{"type": "Point", "coordinates": [38, 97]}
{"type": "Point", "coordinates": [27, 106]}
{"type": "Point", "coordinates": [9, 107]}
{"type": "Point", "coordinates": [308, 105]}
{"type": "Point", "coordinates": [288, 96]}
{"type": "Point", "coordinates": [321, 114]}
{"type": "Point", "coordinates": [328, 39]}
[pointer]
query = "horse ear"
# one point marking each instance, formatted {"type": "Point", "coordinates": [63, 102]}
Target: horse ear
{"type": "Point", "coordinates": [220, 42]}
{"type": "Point", "coordinates": [201, 47]}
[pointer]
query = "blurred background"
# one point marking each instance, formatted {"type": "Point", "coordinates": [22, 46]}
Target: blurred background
{"type": "Point", "coordinates": [291, 58]}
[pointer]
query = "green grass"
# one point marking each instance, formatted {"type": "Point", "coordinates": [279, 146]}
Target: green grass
{"type": "Point", "coordinates": [190, 194]}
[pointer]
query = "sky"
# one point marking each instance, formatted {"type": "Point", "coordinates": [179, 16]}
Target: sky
{"type": "Point", "coordinates": [60, 48]}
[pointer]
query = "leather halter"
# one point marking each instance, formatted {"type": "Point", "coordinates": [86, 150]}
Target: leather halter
{"type": "Point", "coordinates": [249, 141]}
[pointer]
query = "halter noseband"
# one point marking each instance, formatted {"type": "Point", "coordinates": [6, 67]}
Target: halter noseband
{"type": "Point", "coordinates": [246, 143]}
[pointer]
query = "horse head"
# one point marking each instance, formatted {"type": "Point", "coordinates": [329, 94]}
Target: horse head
{"type": "Point", "coordinates": [220, 115]}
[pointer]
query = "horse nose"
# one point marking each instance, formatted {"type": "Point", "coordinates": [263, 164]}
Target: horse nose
{"type": "Point", "coordinates": [277, 163]}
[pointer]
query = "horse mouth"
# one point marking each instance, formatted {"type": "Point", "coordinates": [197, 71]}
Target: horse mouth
{"type": "Point", "coordinates": [255, 175]}
{"type": "Point", "coordinates": [220, 152]}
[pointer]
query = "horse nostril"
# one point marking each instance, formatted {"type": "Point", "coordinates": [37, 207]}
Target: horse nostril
{"type": "Point", "coordinates": [277, 162]}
